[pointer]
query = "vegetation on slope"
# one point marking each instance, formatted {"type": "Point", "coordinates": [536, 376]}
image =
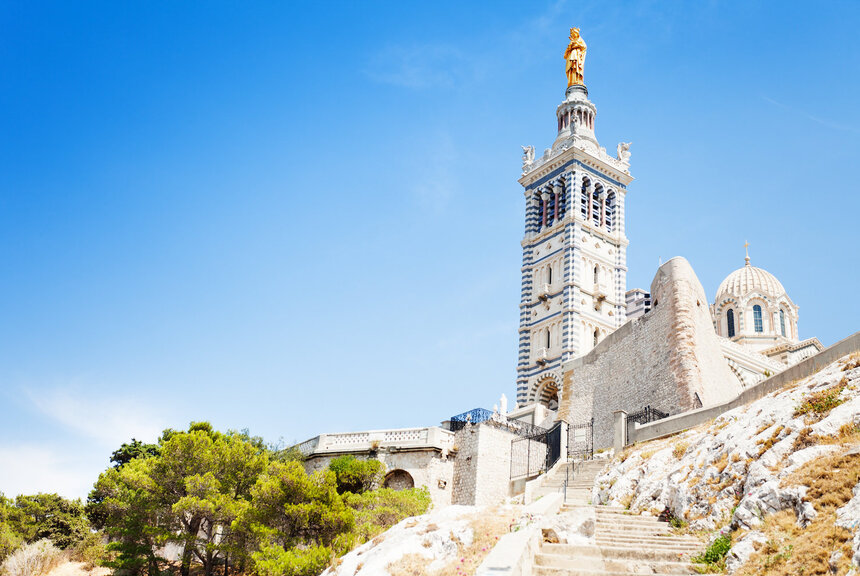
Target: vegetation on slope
{"type": "Point", "coordinates": [228, 498]}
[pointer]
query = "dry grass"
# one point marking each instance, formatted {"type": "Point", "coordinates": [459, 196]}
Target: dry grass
{"type": "Point", "coordinates": [680, 449]}
{"type": "Point", "coordinates": [767, 444]}
{"type": "Point", "coordinates": [486, 532]}
{"type": "Point", "coordinates": [805, 439]}
{"type": "Point", "coordinates": [409, 565]}
{"type": "Point", "coordinates": [626, 501]}
{"type": "Point", "coordinates": [722, 462]}
{"type": "Point", "coordinates": [792, 550]}
{"type": "Point", "coordinates": [852, 362]}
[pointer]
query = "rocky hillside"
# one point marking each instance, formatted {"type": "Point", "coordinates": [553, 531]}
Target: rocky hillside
{"type": "Point", "coordinates": [780, 478]}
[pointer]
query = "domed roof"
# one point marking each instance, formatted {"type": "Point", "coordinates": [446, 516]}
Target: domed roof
{"type": "Point", "coordinates": [750, 279]}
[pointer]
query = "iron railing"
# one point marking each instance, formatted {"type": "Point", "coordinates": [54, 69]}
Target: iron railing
{"type": "Point", "coordinates": [475, 416]}
{"type": "Point", "coordinates": [580, 441]}
{"type": "Point", "coordinates": [481, 415]}
{"type": "Point", "coordinates": [644, 416]}
{"type": "Point", "coordinates": [532, 455]}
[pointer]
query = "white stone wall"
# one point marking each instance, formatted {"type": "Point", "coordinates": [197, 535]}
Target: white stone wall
{"type": "Point", "coordinates": [483, 465]}
{"type": "Point", "coordinates": [669, 359]}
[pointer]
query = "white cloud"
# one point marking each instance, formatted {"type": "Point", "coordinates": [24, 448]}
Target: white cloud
{"type": "Point", "coordinates": [109, 421]}
{"type": "Point", "coordinates": [28, 469]}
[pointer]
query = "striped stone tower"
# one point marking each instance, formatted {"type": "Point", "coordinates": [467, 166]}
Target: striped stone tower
{"type": "Point", "coordinates": [574, 272]}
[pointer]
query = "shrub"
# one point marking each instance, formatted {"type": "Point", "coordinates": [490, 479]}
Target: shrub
{"type": "Point", "coordinates": [716, 552]}
{"type": "Point", "coordinates": [680, 449]}
{"type": "Point", "coordinates": [356, 476]}
{"type": "Point", "coordinates": [92, 550]}
{"type": "Point", "coordinates": [273, 560]}
{"type": "Point", "coordinates": [9, 540]}
{"type": "Point", "coordinates": [381, 509]}
{"type": "Point", "coordinates": [32, 560]}
{"type": "Point", "coordinates": [822, 401]}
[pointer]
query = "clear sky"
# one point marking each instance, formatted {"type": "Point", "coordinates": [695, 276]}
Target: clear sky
{"type": "Point", "coordinates": [304, 217]}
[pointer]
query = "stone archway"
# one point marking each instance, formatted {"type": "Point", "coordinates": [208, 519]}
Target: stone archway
{"type": "Point", "coordinates": [547, 391]}
{"type": "Point", "coordinates": [398, 480]}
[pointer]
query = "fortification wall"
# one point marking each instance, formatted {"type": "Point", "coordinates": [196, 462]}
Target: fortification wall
{"type": "Point", "coordinates": [487, 449]}
{"type": "Point", "coordinates": [669, 359]}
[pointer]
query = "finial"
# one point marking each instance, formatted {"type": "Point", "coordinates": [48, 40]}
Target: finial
{"type": "Point", "coordinates": [574, 58]}
{"type": "Point", "coordinates": [747, 248]}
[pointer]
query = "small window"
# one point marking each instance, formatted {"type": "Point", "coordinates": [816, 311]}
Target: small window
{"type": "Point", "coordinates": [549, 274]}
{"type": "Point", "coordinates": [730, 322]}
{"type": "Point", "coordinates": [782, 321]}
{"type": "Point", "coordinates": [759, 326]}
{"type": "Point", "coordinates": [596, 337]}
{"type": "Point", "coordinates": [547, 338]}
{"type": "Point", "coordinates": [596, 274]}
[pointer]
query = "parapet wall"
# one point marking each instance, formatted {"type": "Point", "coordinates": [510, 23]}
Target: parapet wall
{"type": "Point", "coordinates": [669, 359]}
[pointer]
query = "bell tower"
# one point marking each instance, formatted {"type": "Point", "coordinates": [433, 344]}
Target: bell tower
{"type": "Point", "coordinates": [574, 271]}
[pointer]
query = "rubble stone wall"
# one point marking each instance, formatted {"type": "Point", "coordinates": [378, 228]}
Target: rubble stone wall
{"type": "Point", "coordinates": [482, 467]}
{"type": "Point", "coordinates": [669, 359]}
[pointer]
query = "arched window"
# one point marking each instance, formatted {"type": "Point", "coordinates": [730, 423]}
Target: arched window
{"type": "Point", "coordinates": [549, 274]}
{"type": "Point", "coordinates": [547, 339]}
{"type": "Point", "coordinates": [610, 211]}
{"type": "Point", "coordinates": [730, 322]}
{"type": "Point", "coordinates": [782, 321]}
{"type": "Point", "coordinates": [550, 209]}
{"type": "Point", "coordinates": [759, 326]}
{"type": "Point", "coordinates": [596, 336]}
{"type": "Point", "coordinates": [559, 202]}
{"type": "Point", "coordinates": [596, 274]}
{"type": "Point", "coordinates": [584, 199]}
{"type": "Point", "coordinates": [595, 204]}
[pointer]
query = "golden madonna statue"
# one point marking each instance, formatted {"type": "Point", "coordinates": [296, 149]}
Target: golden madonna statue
{"type": "Point", "coordinates": [574, 57]}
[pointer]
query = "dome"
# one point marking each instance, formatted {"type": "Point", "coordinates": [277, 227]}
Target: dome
{"type": "Point", "coordinates": [749, 279]}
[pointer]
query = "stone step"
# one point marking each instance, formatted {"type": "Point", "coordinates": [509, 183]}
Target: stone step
{"type": "Point", "coordinates": [624, 566]}
{"type": "Point", "coordinates": [551, 571]}
{"type": "Point", "coordinates": [627, 515]}
{"type": "Point", "coordinates": [615, 552]}
{"type": "Point", "coordinates": [668, 547]}
{"type": "Point", "coordinates": [609, 528]}
{"type": "Point", "coordinates": [547, 571]}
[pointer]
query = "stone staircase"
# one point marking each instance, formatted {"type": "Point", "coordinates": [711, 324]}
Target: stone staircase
{"type": "Point", "coordinates": [580, 481]}
{"type": "Point", "coordinates": [624, 543]}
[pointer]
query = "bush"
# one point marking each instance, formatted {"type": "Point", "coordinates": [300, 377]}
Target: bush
{"type": "Point", "coordinates": [716, 552]}
{"type": "Point", "coordinates": [273, 560]}
{"type": "Point", "coordinates": [92, 550]}
{"type": "Point", "coordinates": [9, 541]}
{"type": "Point", "coordinates": [356, 476]}
{"type": "Point", "coordinates": [381, 509]}
{"type": "Point", "coordinates": [32, 560]}
{"type": "Point", "coordinates": [822, 401]}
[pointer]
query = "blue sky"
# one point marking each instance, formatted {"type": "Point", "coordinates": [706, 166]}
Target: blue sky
{"type": "Point", "coordinates": [304, 217]}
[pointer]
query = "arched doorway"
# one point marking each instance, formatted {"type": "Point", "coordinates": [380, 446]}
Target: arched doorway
{"type": "Point", "coordinates": [547, 393]}
{"type": "Point", "coordinates": [398, 480]}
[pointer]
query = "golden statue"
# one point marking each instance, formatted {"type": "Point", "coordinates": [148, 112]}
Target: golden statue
{"type": "Point", "coordinates": [574, 57]}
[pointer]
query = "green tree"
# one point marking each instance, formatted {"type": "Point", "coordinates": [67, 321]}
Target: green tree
{"type": "Point", "coordinates": [295, 520]}
{"type": "Point", "coordinates": [356, 476]}
{"type": "Point", "coordinates": [378, 510]}
{"type": "Point", "coordinates": [134, 449]}
{"type": "Point", "coordinates": [48, 516]}
{"type": "Point", "coordinates": [9, 538]}
{"type": "Point", "coordinates": [188, 493]}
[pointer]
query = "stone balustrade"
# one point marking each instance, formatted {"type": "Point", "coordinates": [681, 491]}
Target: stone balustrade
{"type": "Point", "coordinates": [396, 439]}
